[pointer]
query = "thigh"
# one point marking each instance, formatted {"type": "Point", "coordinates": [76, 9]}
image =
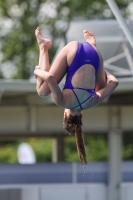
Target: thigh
{"type": "Point", "coordinates": [62, 60]}
{"type": "Point", "coordinates": [59, 66]}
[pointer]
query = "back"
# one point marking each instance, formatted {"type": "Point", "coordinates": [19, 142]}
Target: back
{"type": "Point", "coordinates": [85, 54]}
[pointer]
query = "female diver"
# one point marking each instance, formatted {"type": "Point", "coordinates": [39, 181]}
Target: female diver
{"type": "Point", "coordinates": [87, 83]}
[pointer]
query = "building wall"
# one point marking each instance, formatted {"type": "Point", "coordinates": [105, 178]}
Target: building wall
{"type": "Point", "coordinates": [62, 191]}
{"type": "Point", "coordinates": [48, 119]}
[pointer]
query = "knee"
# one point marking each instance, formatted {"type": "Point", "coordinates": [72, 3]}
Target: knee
{"type": "Point", "coordinates": [42, 94]}
{"type": "Point", "coordinates": [43, 90]}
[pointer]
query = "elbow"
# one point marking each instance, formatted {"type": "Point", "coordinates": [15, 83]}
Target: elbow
{"type": "Point", "coordinates": [43, 92]}
{"type": "Point", "coordinates": [115, 82]}
{"type": "Point", "coordinates": [43, 95]}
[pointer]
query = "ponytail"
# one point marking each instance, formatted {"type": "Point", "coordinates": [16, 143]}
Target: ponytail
{"type": "Point", "coordinates": [73, 124]}
{"type": "Point", "coordinates": [80, 144]}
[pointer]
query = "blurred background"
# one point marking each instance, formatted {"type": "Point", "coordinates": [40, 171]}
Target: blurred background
{"type": "Point", "coordinates": [34, 149]}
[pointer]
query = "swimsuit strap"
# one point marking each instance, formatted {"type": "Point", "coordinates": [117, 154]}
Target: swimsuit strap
{"type": "Point", "coordinates": [77, 100]}
{"type": "Point", "coordinates": [91, 91]}
{"type": "Point", "coordinates": [81, 103]}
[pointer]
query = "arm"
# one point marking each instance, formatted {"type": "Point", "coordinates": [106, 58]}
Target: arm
{"type": "Point", "coordinates": [100, 76]}
{"type": "Point", "coordinates": [58, 70]}
{"type": "Point", "coordinates": [49, 79]}
{"type": "Point", "coordinates": [108, 89]}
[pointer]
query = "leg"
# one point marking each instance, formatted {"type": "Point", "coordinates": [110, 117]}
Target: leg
{"type": "Point", "coordinates": [58, 69]}
{"type": "Point", "coordinates": [100, 75]}
{"type": "Point", "coordinates": [44, 45]}
{"type": "Point", "coordinates": [89, 37]}
{"type": "Point", "coordinates": [49, 79]}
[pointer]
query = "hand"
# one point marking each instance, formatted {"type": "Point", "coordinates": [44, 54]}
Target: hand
{"type": "Point", "coordinates": [111, 78]}
{"type": "Point", "coordinates": [35, 69]}
{"type": "Point", "coordinates": [106, 72]}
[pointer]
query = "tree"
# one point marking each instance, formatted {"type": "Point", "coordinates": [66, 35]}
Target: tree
{"type": "Point", "coordinates": [18, 41]}
{"type": "Point", "coordinates": [20, 18]}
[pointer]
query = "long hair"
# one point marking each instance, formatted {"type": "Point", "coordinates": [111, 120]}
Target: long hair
{"type": "Point", "coordinates": [72, 125]}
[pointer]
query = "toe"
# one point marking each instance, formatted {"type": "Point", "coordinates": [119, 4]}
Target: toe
{"type": "Point", "coordinates": [86, 31]}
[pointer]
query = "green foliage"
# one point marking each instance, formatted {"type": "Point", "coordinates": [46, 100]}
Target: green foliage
{"type": "Point", "coordinates": [42, 148]}
{"type": "Point", "coordinates": [127, 152]}
{"type": "Point", "coordinates": [96, 148]}
{"type": "Point", "coordinates": [8, 152]}
{"type": "Point", "coordinates": [18, 40]}
{"type": "Point", "coordinates": [19, 43]}
{"type": "Point", "coordinates": [1, 75]}
{"type": "Point", "coordinates": [71, 154]}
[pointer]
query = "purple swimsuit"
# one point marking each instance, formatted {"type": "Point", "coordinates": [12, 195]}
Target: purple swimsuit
{"type": "Point", "coordinates": [86, 54]}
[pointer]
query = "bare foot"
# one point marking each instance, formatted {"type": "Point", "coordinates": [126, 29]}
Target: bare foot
{"type": "Point", "coordinates": [89, 37]}
{"type": "Point", "coordinates": [42, 42]}
{"type": "Point", "coordinates": [88, 34]}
